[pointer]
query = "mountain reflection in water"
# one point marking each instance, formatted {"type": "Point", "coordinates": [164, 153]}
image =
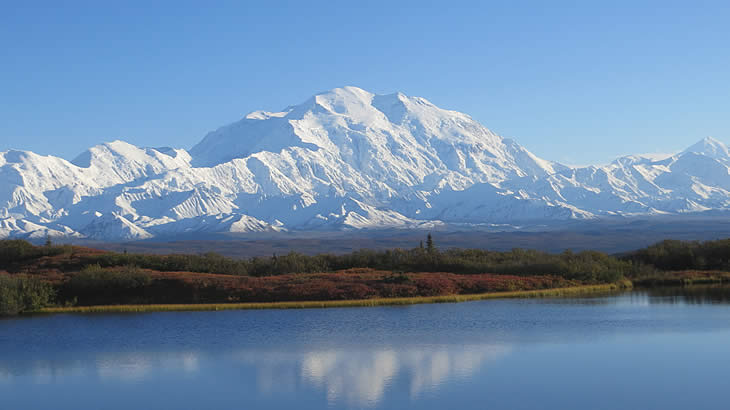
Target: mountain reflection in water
{"type": "Point", "coordinates": [663, 348]}
{"type": "Point", "coordinates": [359, 377]}
{"type": "Point", "coordinates": [362, 377]}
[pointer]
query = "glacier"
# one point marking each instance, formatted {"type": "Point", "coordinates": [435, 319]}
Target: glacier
{"type": "Point", "coordinates": [343, 159]}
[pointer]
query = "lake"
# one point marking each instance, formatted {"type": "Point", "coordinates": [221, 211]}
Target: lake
{"type": "Point", "coordinates": [667, 349]}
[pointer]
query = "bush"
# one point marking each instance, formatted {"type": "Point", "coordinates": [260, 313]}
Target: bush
{"type": "Point", "coordinates": [22, 294]}
{"type": "Point", "coordinates": [17, 250]}
{"type": "Point", "coordinates": [96, 278]}
{"type": "Point", "coordinates": [97, 285]}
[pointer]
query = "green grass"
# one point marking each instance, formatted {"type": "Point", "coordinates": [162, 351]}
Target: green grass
{"type": "Point", "coordinates": [557, 292]}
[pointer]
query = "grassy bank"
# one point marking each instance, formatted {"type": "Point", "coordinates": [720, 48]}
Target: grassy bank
{"type": "Point", "coordinates": [683, 278]}
{"type": "Point", "coordinates": [557, 292]}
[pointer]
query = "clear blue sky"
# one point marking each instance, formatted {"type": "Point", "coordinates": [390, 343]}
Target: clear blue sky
{"type": "Point", "coordinates": [579, 82]}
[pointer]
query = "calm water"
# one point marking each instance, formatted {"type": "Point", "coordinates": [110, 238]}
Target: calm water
{"type": "Point", "coordinates": [668, 350]}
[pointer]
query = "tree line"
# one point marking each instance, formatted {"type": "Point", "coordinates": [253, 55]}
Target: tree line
{"type": "Point", "coordinates": [586, 266]}
{"type": "Point", "coordinates": [684, 255]}
{"type": "Point", "coordinates": [591, 266]}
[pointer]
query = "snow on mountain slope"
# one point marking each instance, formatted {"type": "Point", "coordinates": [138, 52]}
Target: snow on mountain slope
{"type": "Point", "coordinates": [395, 137]}
{"type": "Point", "coordinates": [112, 226]}
{"type": "Point", "coordinates": [710, 147]}
{"type": "Point", "coordinates": [697, 179]}
{"type": "Point", "coordinates": [343, 159]}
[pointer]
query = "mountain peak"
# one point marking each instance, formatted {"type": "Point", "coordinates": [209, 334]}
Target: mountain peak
{"type": "Point", "coordinates": [345, 158]}
{"type": "Point", "coordinates": [710, 147]}
{"type": "Point", "coordinates": [345, 100]}
{"type": "Point", "coordinates": [348, 90]}
{"type": "Point", "coordinates": [334, 120]}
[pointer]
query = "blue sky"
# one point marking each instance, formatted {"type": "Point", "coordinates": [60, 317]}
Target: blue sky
{"type": "Point", "coordinates": [579, 82]}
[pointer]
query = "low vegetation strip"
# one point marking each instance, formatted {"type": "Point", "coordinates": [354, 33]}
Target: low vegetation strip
{"type": "Point", "coordinates": [587, 266]}
{"type": "Point", "coordinates": [104, 286]}
{"type": "Point", "coordinates": [556, 292]}
{"type": "Point", "coordinates": [33, 278]}
{"type": "Point", "coordinates": [683, 278]}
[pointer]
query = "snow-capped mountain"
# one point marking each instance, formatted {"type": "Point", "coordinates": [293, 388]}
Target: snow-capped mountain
{"type": "Point", "coordinates": [343, 159]}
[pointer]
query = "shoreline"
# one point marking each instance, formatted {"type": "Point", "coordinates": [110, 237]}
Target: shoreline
{"type": "Point", "coordinates": [541, 293]}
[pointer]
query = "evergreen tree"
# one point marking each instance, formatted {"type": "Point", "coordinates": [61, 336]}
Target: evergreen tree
{"type": "Point", "coordinates": [429, 243]}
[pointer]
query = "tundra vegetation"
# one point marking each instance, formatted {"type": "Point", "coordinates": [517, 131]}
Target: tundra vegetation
{"type": "Point", "coordinates": [20, 294]}
{"type": "Point", "coordinates": [33, 277]}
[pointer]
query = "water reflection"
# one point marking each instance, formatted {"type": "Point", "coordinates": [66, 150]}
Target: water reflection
{"type": "Point", "coordinates": [359, 378]}
{"type": "Point", "coordinates": [354, 377]}
{"type": "Point", "coordinates": [711, 294]}
{"type": "Point", "coordinates": [122, 367]}
{"type": "Point", "coordinates": [693, 295]}
{"type": "Point", "coordinates": [362, 377]}
{"type": "Point", "coordinates": [426, 356]}
{"type": "Point", "coordinates": [430, 370]}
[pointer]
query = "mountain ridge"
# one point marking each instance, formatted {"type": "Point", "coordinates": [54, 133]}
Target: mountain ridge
{"type": "Point", "coordinates": [343, 159]}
